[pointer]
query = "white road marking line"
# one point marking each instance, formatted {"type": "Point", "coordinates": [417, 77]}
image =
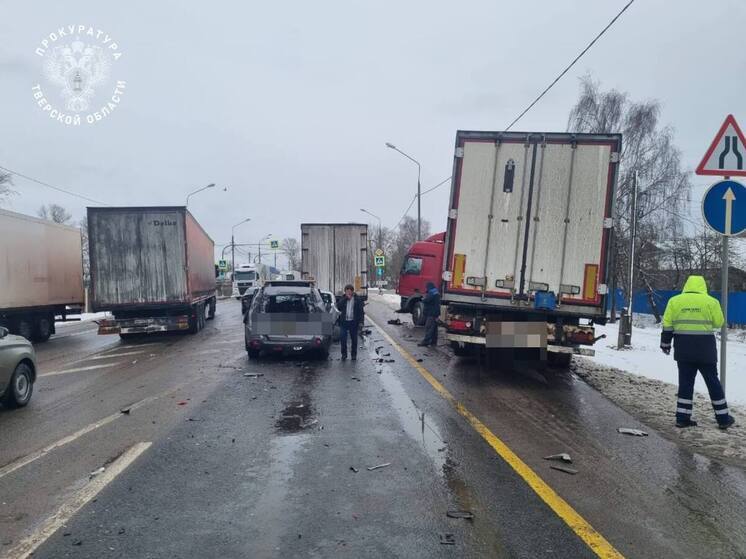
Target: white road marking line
{"type": "Point", "coordinates": [25, 460]}
{"type": "Point", "coordinates": [67, 510]}
{"type": "Point", "coordinates": [110, 355]}
{"type": "Point", "coordinates": [205, 352]}
{"type": "Point", "coordinates": [80, 369]}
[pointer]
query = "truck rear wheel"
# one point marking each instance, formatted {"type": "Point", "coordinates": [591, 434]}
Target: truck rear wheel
{"type": "Point", "coordinates": [43, 329]}
{"type": "Point", "coordinates": [24, 328]}
{"type": "Point", "coordinates": [418, 313]}
{"type": "Point", "coordinates": [212, 304]}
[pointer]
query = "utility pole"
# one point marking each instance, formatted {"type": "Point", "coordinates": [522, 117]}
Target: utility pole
{"type": "Point", "coordinates": [633, 238]}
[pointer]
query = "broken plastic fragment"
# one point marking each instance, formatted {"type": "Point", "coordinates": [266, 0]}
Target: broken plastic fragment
{"type": "Point", "coordinates": [354, 469]}
{"type": "Point", "coordinates": [253, 375]}
{"type": "Point", "coordinates": [447, 539]}
{"type": "Point", "coordinates": [460, 514]}
{"type": "Point", "coordinates": [562, 456]}
{"type": "Point", "coordinates": [634, 432]}
{"type": "Point", "coordinates": [565, 469]}
{"type": "Point", "coordinates": [94, 473]}
{"type": "Point", "coordinates": [371, 468]}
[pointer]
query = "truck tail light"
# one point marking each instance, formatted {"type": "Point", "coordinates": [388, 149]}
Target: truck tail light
{"type": "Point", "coordinates": [459, 325]}
{"type": "Point", "coordinates": [582, 337]}
{"type": "Point", "coordinates": [317, 342]}
{"type": "Point", "coordinates": [255, 343]}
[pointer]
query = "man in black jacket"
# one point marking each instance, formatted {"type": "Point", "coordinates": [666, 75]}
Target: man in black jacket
{"type": "Point", "coordinates": [431, 302]}
{"type": "Point", "coordinates": [351, 316]}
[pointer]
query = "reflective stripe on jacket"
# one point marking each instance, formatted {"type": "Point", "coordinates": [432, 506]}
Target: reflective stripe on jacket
{"type": "Point", "coordinates": [689, 320]}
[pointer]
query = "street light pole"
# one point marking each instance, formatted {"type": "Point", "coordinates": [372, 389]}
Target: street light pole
{"type": "Point", "coordinates": [419, 194]}
{"type": "Point", "coordinates": [211, 185]}
{"type": "Point", "coordinates": [233, 246]}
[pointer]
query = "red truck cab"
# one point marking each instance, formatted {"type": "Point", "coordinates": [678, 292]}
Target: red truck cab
{"type": "Point", "coordinates": [423, 263]}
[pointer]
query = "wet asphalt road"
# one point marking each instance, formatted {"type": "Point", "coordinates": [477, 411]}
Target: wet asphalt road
{"type": "Point", "coordinates": [261, 467]}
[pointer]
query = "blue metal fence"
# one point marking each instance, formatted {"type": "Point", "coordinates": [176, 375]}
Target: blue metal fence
{"type": "Point", "coordinates": [641, 305]}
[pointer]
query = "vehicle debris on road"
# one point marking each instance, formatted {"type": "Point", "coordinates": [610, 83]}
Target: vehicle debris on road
{"type": "Point", "coordinates": [562, 456]}
{"type": "Point", "coordinates": [371, 468]}
{"type": "Point", "coordinates": [125, 411]}
{"type": "Point", "coordinates": [395, 322]}
{"type": "Point", "coordinates": [354, 469]}
{"type": "Point", "coordinates": [447, 539]}
{"type": "Point", "coordinates": [466, 514]}
{"type": "Point", "coordinates": [94, 473]}
{"type": "Point", "coordinates": [630, 431]}
{"type": "Point", "coordinates": [253, 375]}
{"type": "Point", "coordinates": [571, 471]}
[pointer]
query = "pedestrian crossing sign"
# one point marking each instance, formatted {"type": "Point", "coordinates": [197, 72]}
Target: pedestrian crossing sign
{"type": "Point", "coordinates": [380, 261]}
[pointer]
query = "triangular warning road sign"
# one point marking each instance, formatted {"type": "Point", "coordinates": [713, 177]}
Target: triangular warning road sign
{"type": "Point", "coordinates": [726, 156]}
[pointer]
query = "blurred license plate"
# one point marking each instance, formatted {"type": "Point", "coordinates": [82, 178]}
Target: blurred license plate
{"type": "Point", "coordinates": [297, 347]}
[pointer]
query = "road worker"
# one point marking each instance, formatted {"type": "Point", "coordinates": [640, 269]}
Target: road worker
{"type": "Point", "coordinates": [689, 321]}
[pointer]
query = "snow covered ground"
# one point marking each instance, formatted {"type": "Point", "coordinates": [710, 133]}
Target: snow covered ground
{"type": "Point", "coordinates": [646, 359]}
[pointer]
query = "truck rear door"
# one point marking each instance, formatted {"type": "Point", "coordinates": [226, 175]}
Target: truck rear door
{"type": "Point", "coordinates": [529, 212]}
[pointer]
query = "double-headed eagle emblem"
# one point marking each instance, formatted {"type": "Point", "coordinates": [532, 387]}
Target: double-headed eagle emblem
{"type": "Point", "coordinates": [78, 68]}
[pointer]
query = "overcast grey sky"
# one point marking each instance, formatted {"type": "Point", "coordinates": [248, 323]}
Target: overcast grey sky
{"type": "Point", "coordinates": [289, 104]}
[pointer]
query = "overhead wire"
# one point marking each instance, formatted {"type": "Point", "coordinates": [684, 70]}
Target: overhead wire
{"type": "Point", "coordinates": [567, 69]}
{"type": "Point", "coordinates": [53, 187]}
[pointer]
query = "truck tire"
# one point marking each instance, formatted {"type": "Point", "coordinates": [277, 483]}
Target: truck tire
{"type": "Point", "coordinates": [559, 360]}
{"type": "Point", "coordinates": [20, 388]}
{"type": "Point", "coordinates": [253, 353]}
{"type": "Point", "coordinates": [24, 328]}
{"type": "Point", "coordinates": [418, 313]}
{"type": "Point", "coordinates": [213, 304]}
{"type": "Point", "coordinates": [43, 329]}
{"type": "Point", "coordinates": [196, 320]}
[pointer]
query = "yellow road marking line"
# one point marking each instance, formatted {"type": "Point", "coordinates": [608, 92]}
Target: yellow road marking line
{"type": "Point", "coordinates": [68, 509]}
{"type": "Point", "coordinates": [562, 508]}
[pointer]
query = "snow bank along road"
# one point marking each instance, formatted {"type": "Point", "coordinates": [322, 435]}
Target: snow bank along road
{"type": "Point", "coordinates": [169, 450]}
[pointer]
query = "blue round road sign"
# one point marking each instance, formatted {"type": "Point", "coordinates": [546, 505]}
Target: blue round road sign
{"type": "Point", "coordinates": [724, 207]}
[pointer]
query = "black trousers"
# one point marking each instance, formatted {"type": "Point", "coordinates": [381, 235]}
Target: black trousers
{"type": "Point", "coordinates": [431, 331]}
{"type": "Point", "coordinates": [348, 328]}
{"type": "Point", "coordinates": [687, 376]}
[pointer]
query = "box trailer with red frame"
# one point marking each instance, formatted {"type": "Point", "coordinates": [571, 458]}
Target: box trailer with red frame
{"type": "Point", "coordinates": [527, 241]}
{"type": "Point", "coordinates": [423, 263]}
{"type": "Point", "coordinates": [152, 268]}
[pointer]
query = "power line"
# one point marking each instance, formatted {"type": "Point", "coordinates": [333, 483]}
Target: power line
{"type": "Point", "coordinates": [57, 188]}
{"type": "Point", "coordinates": [441, 183]}
{"type": "Point", "coordinates": [570, 65]}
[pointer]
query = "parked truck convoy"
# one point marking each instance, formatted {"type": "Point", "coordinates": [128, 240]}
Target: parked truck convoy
{"type": "Point", "coordinates": [526, 251]}
{"type": "Point", "coordinates": [334, 255]}
{"type": "Point", "coordinates": [41, 274]}
{"type": "Point", "coordinates": [152, 268]}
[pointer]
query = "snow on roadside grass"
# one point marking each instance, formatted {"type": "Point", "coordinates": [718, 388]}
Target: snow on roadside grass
{"type": "Point", "coordinates": [646, 359]}
{"type": "Point", "coordinates": [654, 401]}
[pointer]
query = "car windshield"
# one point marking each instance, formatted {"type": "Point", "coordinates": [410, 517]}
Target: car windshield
{"type": "Point", "coordinates": [247, 275]}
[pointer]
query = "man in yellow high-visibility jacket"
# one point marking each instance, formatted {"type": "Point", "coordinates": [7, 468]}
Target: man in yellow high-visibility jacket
{"type": "Point", "coordinates": [689, 320]}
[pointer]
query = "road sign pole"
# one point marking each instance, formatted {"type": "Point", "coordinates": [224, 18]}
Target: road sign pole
{"type": "Point", "coordinates": [724, 305]}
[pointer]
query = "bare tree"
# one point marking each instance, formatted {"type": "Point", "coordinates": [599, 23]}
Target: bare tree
{"type": "Point", "coordinates": [54, 212]}
{"type": "Point", "coordinates": [648, 150]}
{"type": "Point", "coordinates": [291, 249]}
{"type": "Point", "coordinates": [6, 180]}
